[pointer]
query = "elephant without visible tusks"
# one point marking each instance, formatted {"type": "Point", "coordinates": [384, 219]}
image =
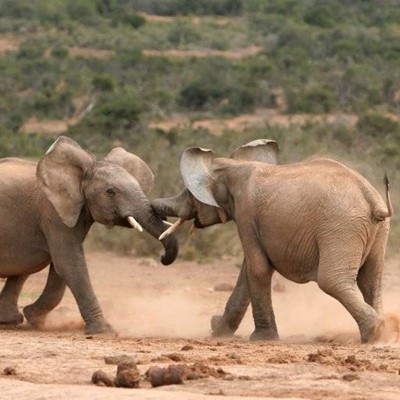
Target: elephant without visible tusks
{"type": "Point", "coordinates": [46, 211]}
{"type": "Point", "coordinates": [315, 220]}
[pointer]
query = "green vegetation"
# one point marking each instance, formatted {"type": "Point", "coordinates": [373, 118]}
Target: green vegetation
{"type": "Point", "coordinates": [86, 61]}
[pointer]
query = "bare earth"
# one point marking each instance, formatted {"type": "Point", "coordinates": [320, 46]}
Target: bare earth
{"type": "Point", "coordinates": [158, 310]}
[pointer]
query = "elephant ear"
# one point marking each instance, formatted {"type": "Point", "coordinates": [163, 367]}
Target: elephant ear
{"type": "Point", "coordinates": [134, 165]}
{"type": "Point", "coordinates": [59, 173]}
{"type": "Point", "coordinates": [262, 150]}
{"type": "Point", "coordinates": [195, 170]}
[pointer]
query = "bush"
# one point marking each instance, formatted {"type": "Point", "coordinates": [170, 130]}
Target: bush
{"type": "Point", "coordinates": [315, 99]}
{"type": "Point", "coordinates": [377, 125]}
{"type": "Point", "coordinates": [188, 7]}
{"type": "Point", "coordinates": [60, 52]}
{"type": "Point", "coordinates": [104, 83]}
{"type": "Point", "coordinates": [325, 15]}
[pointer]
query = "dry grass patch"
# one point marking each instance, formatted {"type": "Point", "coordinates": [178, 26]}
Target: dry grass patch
{"type": "Point", "coordinates": [261, 118]}
{"type": "Point", "coordinates": [90, 52]}
{"type": "Point", "coordinates": [230, 54]}
{"type": "Point", "coordinates": [9, 43]}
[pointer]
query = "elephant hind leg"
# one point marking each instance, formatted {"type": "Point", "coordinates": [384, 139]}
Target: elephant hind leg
{"type": "Point", "coordinates": [9, 314]}
{"type": "Point", "coordinates": [235, 309]}
{"type": "Point", "coordinates": [369, 277]}
{"type": "Point", "coordinates": [337, 277]}
{"type": "Point", "coordinates": [52, 295]}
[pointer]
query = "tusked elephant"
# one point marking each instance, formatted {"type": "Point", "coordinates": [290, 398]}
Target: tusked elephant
{"type": "Point", "coordinates": [315, 220]}
{"type": "Point", "coordinates": [46, 211]}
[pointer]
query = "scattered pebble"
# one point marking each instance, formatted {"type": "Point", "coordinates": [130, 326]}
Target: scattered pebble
{"type": "Point", "coordinates": [176, 373]}
{"type": "Point", "coordinates": [128, 375]}
{"type": "Point", "coordinates": [350, 377]}
{"type": "Point", "coordinates": [100, 378]}
{"type": "Point", "coordinates": [172, 375]}
{"type": "Point", "coordinates": [9, 371]}
{"type": "Point", "coordinates": [223, 287]}
{"type": "Point", "coordinates": [279, 287]}
{"type": "Point", "coordinates": [115, 360]}
{"type": "Point", "coordinates": [175, 357]}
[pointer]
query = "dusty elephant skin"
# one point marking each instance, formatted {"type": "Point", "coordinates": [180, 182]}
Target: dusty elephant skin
{"type": "Point", "coordinates": [46, 210]}
{"type": "Point", "coordinates": [311, 221]}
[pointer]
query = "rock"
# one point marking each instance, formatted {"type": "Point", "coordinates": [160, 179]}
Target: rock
{"type": "Point", "coordinates": [187, 347]}
{"type": "Point", "coordinates": [350, 377]}
{"type": "Point", "coordinates": [223, 287]}
{"type": "Point", "coordinates": [173, 375]}
{"type": "Point", "coordinates": [128, 375]}
{"type": "Point", "coordinates": [115, 360]}
{"type": "Point", "coordinates": [9, 371]}
{"type": "Point", "coordinates": [279, 287]}
{"type": "Point", "coordinates": [100, 378]}
{"type": "Point", "coordinates": [175, 357]}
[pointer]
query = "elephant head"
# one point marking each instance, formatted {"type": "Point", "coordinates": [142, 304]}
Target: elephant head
{"type": "Point", "coordinates": [112, 190]}
{"type": "Point", "coordinates": [206, 198]}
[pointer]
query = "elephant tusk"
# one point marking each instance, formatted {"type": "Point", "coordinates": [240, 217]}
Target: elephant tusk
{"type": "Point", "coordinates": [172, 228]}
{"type": "Point", "coordinates": [192, 230]}
{"type": "Point", "coordinates": [167, 223]}
{"type": "Point", "coordinates": [135, 224]}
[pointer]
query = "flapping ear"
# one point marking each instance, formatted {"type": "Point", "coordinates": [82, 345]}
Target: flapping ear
{"type": "Point", "coordinates": [262, 150]}
{"type": "Point", "coordinates": [59, 173]}
{"type": "Point", "coordinates": [134, 165]}
{"type": "Point", "coordinates": [195, 170]}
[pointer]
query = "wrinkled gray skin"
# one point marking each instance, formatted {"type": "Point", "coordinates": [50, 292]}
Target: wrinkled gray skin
{"type": "Point", "coordinates": [46, 210]}
{"type": "Point", "coordinates": [311, 221]}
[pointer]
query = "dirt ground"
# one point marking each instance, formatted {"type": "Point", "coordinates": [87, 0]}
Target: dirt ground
{"type": "Point", "coordinates": [162, 315]}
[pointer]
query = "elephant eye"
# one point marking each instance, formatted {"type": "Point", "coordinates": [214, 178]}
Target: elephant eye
{"type": "Point", "coordinates": [110, 192]}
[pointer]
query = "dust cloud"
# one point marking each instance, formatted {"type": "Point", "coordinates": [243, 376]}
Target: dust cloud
{"type": "Point", "coordinates": [178, 302]}
{"type": "Point", "coordinates": [158, 315]}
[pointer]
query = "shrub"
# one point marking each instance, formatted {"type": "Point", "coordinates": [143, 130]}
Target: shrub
{"type": "Point", "coordinates": [377, 125]}
{"type": "Point", "coordinates": [104, 83]}
{"type": "Point", "coordinates": [325, 15]}
{"type": "Point", "coordinates": [315, 99]}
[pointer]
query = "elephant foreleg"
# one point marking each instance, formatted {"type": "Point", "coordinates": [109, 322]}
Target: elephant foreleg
{"type": "Point", "coordinates": [52, 295]}
{"type": "Point", "coordinates": [235, 308]}
{"type": "Point", "coordinates": [9, 313]}
{"type": "Point", "coordinates": [70, 264]}
{"type": "Point", "coordinates": [259, 276]}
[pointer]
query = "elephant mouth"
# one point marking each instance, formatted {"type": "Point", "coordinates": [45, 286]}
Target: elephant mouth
{"type": "Point", "coordinates": [126, 222]}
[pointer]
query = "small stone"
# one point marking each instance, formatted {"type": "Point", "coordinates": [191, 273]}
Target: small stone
{"type": "Point", "coordinates": [279, 287]}
{"type": "Point", "coordinates": [9, 371]}
{"type": "Point", "coordinates": [223, 287]}
{"type": "Point", "coordinates": [350, 377]}
{"type": "Point", "coordinates": [100, 378]}
{"type": "Point", "coordinates": [115, 360]}
{"type": "Point", "coordinates": [128, 376]}
{"type": "Point", "coordinates": [187, 347]}
{"type": "Point", "coordinates": [173, 375]}
{"type": "Point", "coordinates": [351, 359]}
{"type": "Point", "coordinates": [175, 357]}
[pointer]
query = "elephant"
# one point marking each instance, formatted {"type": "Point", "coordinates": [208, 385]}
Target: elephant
{"type": "Point", "coordinates": [315, 220]}
{"type": "Point", "coordinates": [46, 211]}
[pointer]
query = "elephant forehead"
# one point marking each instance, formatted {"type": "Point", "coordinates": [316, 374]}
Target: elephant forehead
{"type": "Point", "coordinates": [109, 173]}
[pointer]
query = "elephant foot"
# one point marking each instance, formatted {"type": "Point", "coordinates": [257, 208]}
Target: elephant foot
{"type": "Point", "coordinates": [372, 332]}
{"type": "Point", "coordinates": [220, 326]}
{"type": "Point", "coordinates": [35, 317]}
{"type": "Point", "coordinates": [98, 327]}
{"type": "Point", "coordinates": [10, 317]}
{"type": "Point", "coordinates": [264, 334]}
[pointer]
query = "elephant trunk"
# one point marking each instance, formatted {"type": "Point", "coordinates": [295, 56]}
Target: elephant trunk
{"type": "Point", "coordinates": [155, 226]}
{"type": "Point", "coordinates": [178, 206]}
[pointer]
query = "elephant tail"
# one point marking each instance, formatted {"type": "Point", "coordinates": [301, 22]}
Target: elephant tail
{"type": "Point", "coordinates": [383, 214]}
